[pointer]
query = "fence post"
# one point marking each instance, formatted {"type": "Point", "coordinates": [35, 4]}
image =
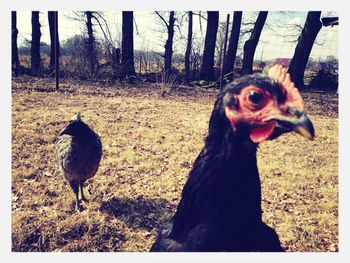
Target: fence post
{"type": "Point", "coordinates": [57, 56]}
{"type": "Point", "coordinates": [224, 51]}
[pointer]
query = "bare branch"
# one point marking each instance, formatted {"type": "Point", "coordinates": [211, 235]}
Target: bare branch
{"type": "Point", "coordinates": [179, 28]}
{"type": "Point", "coordinates": [79, 16]}
{"type": "Point", "coordinates": [182, 17]}
{"type": "Point", "coordinates": [200, 23]}
{"type": "Point", "coordinates": [162, 18]}
{"type": "Point", "coordinates": [109, 37]}
{"type": "Point", "coordinates": [200, 15]}
{"type": "Point", "coordinates": [105, 22]}
{"type": "Point", "coordinates": [246, 31]}
{"type": "Point", "coordinates": [136, 28]}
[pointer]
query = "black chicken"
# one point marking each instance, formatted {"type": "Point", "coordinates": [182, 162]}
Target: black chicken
{"type": "Point", "coordinates": [79, 153]}
{"type": "Point", "coordinates": [220, 208]}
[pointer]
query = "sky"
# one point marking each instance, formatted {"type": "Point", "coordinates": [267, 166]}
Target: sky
{"type": "Point", "coordinates": [151, 36]}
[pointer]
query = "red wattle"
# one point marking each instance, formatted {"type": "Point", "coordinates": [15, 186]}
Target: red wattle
{"type": "Point", "coordinates": [262, 133]}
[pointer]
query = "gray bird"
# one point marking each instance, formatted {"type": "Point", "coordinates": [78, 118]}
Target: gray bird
{"type": "Point", "coordinates": [79, 154]}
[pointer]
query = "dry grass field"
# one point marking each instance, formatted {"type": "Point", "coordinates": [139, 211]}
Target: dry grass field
{"type": "Point", "coordinates": [149, 145]}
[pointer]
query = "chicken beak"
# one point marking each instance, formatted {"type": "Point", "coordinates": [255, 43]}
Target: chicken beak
{"type": "Point", "coordinates": [62, 132]}
{"type": "Point", "coordinates": [297, 121]}
{"type": "Point", "coordinates": [65, 129]}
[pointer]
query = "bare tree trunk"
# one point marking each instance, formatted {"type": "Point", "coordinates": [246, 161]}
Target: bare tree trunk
{"type": "Point", "coordinates": [128, 44]}
{"type": "Point", "coordinates": [252, 42]}
{"type": "Point", "coordinates": [115, 59]}
{"type": "Point", "coordinates": [140, 64]}
{"type": "Point", "coordinates": [189, 46]}
{"type": "Point", "coordinates": [54, 40]}
{"type": "Point", "coordinates": [220, 47]}
{"type": "Point", "coordinates": [91, 52]}
{"type": "Point", "coordinates": [207, 70]}
{"type": "Point", "coordinates": [233, 42]}
{"type": "Point", "coordinates": [169, 43]}
{"type": "Point", "coordinates": [35, 44]}
{"type": "Point", "coordinates": [147, 65]}
{"type": "Point", "coordinates": [303, 49]}
{"type": "Point", "coordinates": [14, 51]}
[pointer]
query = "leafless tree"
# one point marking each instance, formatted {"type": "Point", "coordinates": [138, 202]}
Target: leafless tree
{"type": "Point", "coordinates": [169, 42]}
{"type": "Point", "coordinates": [219, 46]}
{"type": "Point", "coordinates": [128, 44]}
{"type": "Point", "coordinates": [252, 42]}
{"type": "Point", "coordinates": [55, 45]}
{"type": "Point", "coordinates": [207, 70]}
{"type": "Point", "coordinates": [303, 49]}
{"type": "Point", "coordinates": [91, 47]}
{"type": "Point", "coordinates": [15, 59]}
{"type": "Point", "coordinates": [233, 42]}
{"type": "Point", "coordinates": [188, 46]}
{"type": "Point", "coordinates": [35, 44]}
{"type": "Point", "coordinates": [54, 39]}
{"type": "Point", "coordinates": [196, 58]}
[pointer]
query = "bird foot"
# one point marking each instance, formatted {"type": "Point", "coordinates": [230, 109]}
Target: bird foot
{"type": "Point", "coordinates": [84, 199]}
{"type": "Point", "coordinates": [79, 207]}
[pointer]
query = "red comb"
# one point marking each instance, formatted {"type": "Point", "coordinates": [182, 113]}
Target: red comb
{"type": "Point", "coordinates": [293, 97]}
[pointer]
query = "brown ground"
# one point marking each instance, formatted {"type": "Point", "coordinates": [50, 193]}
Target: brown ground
{"type": "Point", "coordinates": [149, 145]}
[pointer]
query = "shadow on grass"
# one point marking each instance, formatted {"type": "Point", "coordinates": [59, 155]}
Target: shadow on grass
{"type": "Point", "coordinates": [139, 212]}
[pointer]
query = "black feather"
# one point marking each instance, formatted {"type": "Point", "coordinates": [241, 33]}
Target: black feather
{"type": "Point", "coordinates": [220, 208]}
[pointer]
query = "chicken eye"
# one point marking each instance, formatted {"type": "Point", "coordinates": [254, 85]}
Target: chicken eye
{"type": "Point", "coordinates": [255, 97]}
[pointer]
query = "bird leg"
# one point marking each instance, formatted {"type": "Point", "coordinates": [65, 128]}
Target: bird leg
{"type": "Point", "coordinates": [81, 185]}
{"type": "Point", "coordinates": [75, 186]}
